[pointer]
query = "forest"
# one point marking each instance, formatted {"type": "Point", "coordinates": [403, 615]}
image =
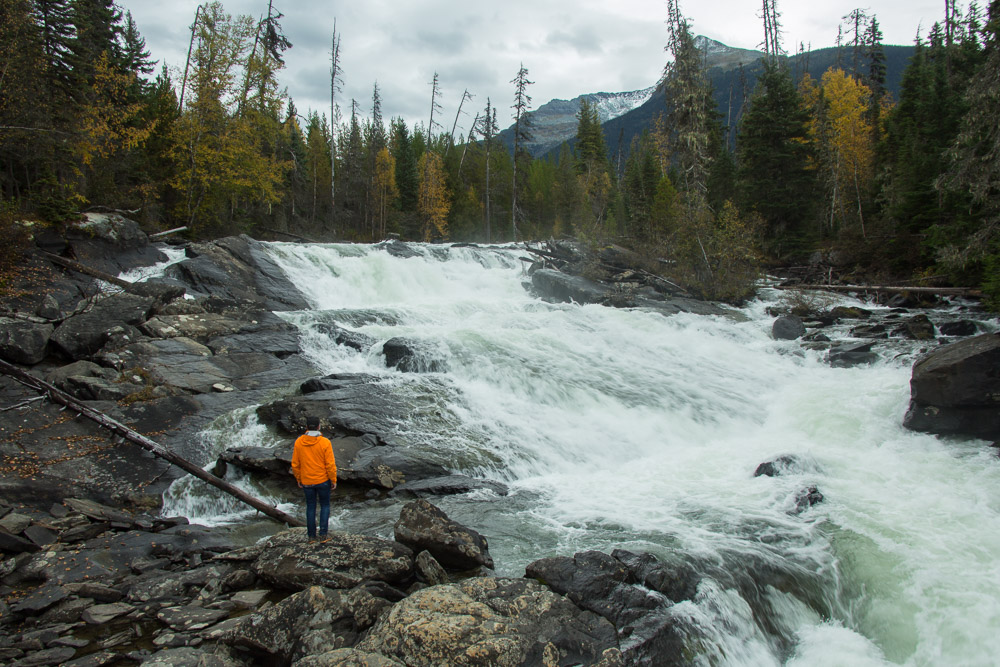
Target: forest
{"type": "Point", "coordinates": [905, 189]}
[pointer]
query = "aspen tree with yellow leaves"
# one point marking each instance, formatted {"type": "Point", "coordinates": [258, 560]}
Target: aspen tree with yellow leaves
{"type": "Point", "coordinates": [384, 188]}
{"type": "Point", "coordinates": [433, 202]}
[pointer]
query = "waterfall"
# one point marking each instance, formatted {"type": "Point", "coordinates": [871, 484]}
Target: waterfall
{"type": "Point", "coordinates": [618, 428]}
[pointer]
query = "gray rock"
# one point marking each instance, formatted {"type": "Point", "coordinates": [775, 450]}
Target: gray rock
{"type": "Point", "coordinates": [788, 327]}
{"type": "Point", "coordinates": [272, 636]}
{"type": "Point", "coordinates": [249, 599]}
{"type": "Point", "coordinates": [430, 570]}
{"type": "Point", "coordinates": [955, 389]}
{"type": "Point", "coordinates": [779, 466]}
{"type": "Point", "coordinates": [24, 342]}
{"type": "Point", "coordinates": [111, 243]}
{"type": "Point", "coordinates": [188, 656]}
{"type": "Point", "coordinates": [448, 485]}
{"type": "Point", "coordinates": [13, 544]}
{"type": "Point", "coordinates": [848, 355]}
{"type": "Point", "coordinates": [959, 328]}
{"type": "Point", "coordinates": [40, 535]}
{"type": "Point", "coordinates": [237, 268]}
{"type": "Point", "coordinates": [347, 657]}
{"type": "Point", "coordinates": [412, 356]}
{"type": "Point", "coordinates": [97, 659]}
{"type": "Point", "coordinates": [345, 560]}
{"type": "Point", "coordinates": [422, 526]}
{"type": "Point", "coordinates": [49, 656]}
{"type": "Point", "coordinates": [59, 377]}
{"type": "Point", "coordinates": [346, 337]}
{"type": "Point", "coordinates": [190, 618]}
{"type": "Point", "coordinates": [557, 286]}
{"type": "Point", "coordinates": [488, 621]}
{"type": "Point", "coordinates": [83, 335]}
{"type": "Point", "coordinates": [608, 587]}
{"type": "Point", "coordinates": [40, 599]}
{"type": "Point", "coordinates": [870, 331]}
{"type": "Point", "coordinates": [15, 523]}
{"type": "Point", "coordinates": [103, 613]}
{"type": "Point", "coordinates": [269, 460]}
{"type": "Point", "coordinates": [97, 591]}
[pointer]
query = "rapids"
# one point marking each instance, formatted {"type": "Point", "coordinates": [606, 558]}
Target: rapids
{"type": "Point", "coordinates": [627, 429]}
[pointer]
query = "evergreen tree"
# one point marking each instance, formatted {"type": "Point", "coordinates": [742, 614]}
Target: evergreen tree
{"type": "Point", "coordinates": [690, 112]}
{"type": "Point", "coordinates": [522, 135]}
{"type": "Point", "coordinates": [773, 155]}
{"type": "Point", "coordinates": [974, 163]}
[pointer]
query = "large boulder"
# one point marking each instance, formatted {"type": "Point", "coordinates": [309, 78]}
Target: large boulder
{"type": "Point", "coordinates": [492, 621]}
{"type": "Point", "coordinates": [634, 592]}
{"type": "Point", "coordinates": [955, 389]}
{"type": "Point", "coordinates": [557, 286]}
{"type": "Point", "coordinates": [342, 561]}
{"type": "Point", "coordinates": [412, 356]}
{"type": "Point", "coordinates": [273, 635]}
{"type": "Point", "coordinates": [237, 268]}
{"type": "Point", "coordinates": [424, 527]}
{"type": "Point", "coordinates": [23, 342]}
{"type": "Point", "coordinates": [85, 334]}
{"type": "Point", "coordinates": [111, 243]}
{"type": "Point", "coordinates": [788, 327]}
{"type": "Point", "coordinates": [351, 404]}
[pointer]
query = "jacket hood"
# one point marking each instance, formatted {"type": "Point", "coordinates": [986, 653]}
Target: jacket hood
{"type": "Point", "coordinates": [310, 438]}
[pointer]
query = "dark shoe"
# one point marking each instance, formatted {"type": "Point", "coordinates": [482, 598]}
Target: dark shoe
{"type": "Point", "coordinates": [311, 538]}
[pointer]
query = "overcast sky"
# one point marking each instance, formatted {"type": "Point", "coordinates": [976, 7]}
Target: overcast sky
{"type": "Point", "coordinates": [570, 47]}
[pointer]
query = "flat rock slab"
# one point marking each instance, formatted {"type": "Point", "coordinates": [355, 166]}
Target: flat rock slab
{"type": "Point", "coordinates": [345, 560]}
{"type": "Point", "coordinates": [189, 618]}
{"type": "Point", "coordinates": [103, 613]}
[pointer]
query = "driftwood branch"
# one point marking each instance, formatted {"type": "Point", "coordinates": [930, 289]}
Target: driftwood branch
{"type": "Point", "coordinates": [137, 438]}
{"type": "Point", "coordinates": [939, 291]}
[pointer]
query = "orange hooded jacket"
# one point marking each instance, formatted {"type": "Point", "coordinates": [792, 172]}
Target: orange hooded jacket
{"type": "Point", "coordinates": [312, 460]}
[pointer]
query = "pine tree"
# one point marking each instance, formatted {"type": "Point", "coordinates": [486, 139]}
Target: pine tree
{"type": "Point", "coordinates": [522, 135]}
{"type": "Point", "coordinates": [488, 129]}
{"type": "Point", "coordinates": [974, 162]}
{"type": "Point", "coordinates": [773, 158]}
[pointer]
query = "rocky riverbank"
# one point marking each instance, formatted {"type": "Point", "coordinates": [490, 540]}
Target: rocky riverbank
{"type": "Point", "coordinates": [92, 574]}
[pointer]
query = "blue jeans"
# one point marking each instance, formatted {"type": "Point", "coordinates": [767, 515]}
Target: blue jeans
{"type": "Point", "coordinates": [314, 492]}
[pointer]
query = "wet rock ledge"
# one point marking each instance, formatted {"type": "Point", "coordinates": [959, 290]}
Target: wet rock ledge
{"type": "Point", "coordinates": [87, 584]}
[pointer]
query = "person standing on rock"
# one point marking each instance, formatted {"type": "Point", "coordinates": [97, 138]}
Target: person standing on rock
{"type": "Point", "coordinates": [315, 470]}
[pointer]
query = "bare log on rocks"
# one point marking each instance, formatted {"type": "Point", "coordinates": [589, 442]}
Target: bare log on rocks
{"type": "Point", "coordinates": [89, 271]}
{"type": "Point", "coordinates": [137, 438]}
{"type": "Point", "coordinates": [939, 291]}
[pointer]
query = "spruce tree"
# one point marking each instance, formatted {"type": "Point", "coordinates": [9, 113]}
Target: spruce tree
{"type": "Point", "coordinates": [773, 154]}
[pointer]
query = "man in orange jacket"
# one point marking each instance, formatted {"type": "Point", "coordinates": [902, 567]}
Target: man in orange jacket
{"type": "Point", "coordinates": [315, 469]}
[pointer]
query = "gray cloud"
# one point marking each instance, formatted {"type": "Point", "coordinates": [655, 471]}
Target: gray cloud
{"type": "Point", "coordinates": [570, 46]}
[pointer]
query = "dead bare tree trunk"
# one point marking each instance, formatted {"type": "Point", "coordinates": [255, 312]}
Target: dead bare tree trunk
{"type": "Point", "coordinates": [137, 438]}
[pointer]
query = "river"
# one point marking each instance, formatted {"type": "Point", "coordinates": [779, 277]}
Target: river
{"type": "Point", "coordinates": [626, 429]}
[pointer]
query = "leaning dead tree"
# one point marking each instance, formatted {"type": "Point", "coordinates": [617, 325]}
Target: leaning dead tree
{"type": "Point", "coordinates": [335, 73]}
{"type": "Point", "coordinates": [137, 438]}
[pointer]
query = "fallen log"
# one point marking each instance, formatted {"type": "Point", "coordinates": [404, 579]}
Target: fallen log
{"type": "Point", "coordinates": [167, 232]}
{"type": "Point", "coordinates": [137, 438]}
{"type": "Point", "coordinates": [289, 234]}
{"type": "Point", "coordinates": [89, 271]}
{"type": "Point", "coordinates": [939, 291]}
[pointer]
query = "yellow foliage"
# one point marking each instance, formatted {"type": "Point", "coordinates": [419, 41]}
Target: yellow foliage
{"type": "Point", "coordinates": [384, 184]}
{"type": "Point", "coordinates": [106, 124]}
{"type": "Point", "coordinates": [433, 202]}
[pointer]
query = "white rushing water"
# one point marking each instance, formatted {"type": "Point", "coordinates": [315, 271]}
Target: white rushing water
{"type": "Point", "coordinates": [627, 429]}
